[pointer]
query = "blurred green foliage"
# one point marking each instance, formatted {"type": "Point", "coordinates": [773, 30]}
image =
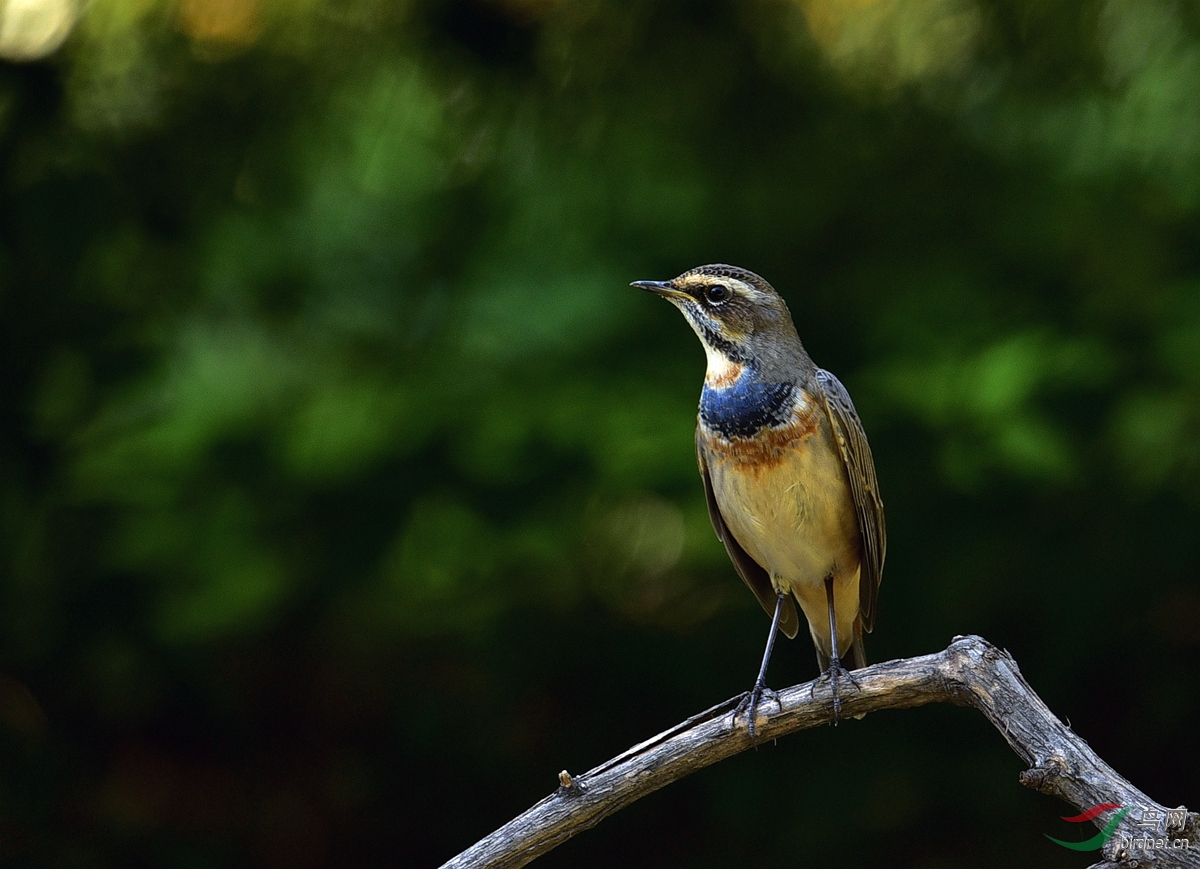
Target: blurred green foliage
{"type": "Point", "coordinates": [347, 493]}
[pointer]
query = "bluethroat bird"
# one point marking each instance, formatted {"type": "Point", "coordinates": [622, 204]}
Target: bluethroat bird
{"type": "Point", "coordinates": [787, 472]}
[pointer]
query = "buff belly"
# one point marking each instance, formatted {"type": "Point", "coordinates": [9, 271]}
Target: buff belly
{"type": "Point", "coordinates": [792, 512]}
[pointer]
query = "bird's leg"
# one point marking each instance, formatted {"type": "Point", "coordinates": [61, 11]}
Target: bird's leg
{"type": "Point", "coordinates": [751, 700]}
{"type": "Point", "coordinates": [836, 670]}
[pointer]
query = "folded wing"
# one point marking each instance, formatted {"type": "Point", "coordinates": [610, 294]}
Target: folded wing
{"type": "Point", "coordinates": [864, 488]}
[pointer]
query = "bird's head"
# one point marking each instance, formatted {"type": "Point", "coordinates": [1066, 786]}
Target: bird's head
{"type": "Point", "coordinates": [739, 317]}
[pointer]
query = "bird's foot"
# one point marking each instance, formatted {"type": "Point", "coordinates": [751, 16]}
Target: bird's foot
{"type": "Point", "coordinates": [750, 703]}
{"type": "Point", "coordinates": [833, 675]}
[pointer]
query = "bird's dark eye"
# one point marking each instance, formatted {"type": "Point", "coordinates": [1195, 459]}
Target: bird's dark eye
{"type": "Point", "coordinates": [717, 293]}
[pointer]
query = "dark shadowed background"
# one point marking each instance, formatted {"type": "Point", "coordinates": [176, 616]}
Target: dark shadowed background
{"type": "Point", "coordinates": [347, 492]}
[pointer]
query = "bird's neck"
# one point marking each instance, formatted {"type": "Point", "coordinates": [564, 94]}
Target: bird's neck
{"type": "Point", "coordinates": [728, 366]}
{"type": "Point", "coordinates": [722, 371]}
{"type": "Point", "coordinates": [737, 401]}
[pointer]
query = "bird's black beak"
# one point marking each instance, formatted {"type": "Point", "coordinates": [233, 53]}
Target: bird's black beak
{"type": "Point", "coordinates": [661, 288]}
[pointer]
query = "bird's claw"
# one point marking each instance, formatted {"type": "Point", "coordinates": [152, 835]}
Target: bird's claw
{"type": "Point", "coordinates": [835, 672]}
{"type": "Point", "coordinates": [750, 703]}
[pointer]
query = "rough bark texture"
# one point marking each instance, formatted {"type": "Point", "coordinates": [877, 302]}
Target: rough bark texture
{"type": "Point", "coordinates": [971, 672]}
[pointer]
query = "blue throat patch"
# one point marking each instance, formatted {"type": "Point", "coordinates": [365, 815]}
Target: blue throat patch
{"type": "Point", "coordinates": [743, 408]}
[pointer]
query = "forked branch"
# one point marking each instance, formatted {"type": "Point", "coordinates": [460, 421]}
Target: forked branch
{"type": "Point", "coordinates": [971, 672]}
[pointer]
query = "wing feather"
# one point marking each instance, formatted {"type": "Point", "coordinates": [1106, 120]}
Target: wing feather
{"type": "Point", "coordinates": [864, 488]}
